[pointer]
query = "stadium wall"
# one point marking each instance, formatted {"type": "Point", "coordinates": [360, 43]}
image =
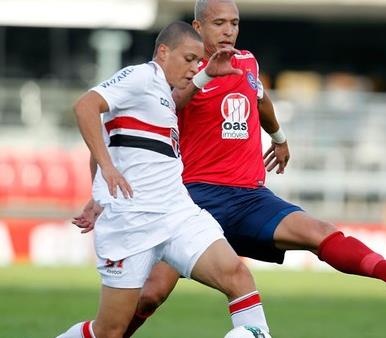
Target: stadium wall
{"type": "Point", "coordinates": [57, 242]}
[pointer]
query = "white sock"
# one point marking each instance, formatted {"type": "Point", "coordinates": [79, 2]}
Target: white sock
{"type": "Point", "coordinates": [80, 330]}
{"type": "Point", "coordinates": [248, 310]}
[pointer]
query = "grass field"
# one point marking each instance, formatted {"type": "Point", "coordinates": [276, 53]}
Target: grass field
{"type": "Point", "coordinates": [42, 302]}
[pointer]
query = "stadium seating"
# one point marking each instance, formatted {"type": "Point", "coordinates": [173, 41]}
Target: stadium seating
{"type": "Point", "coordinates": [52, 179]}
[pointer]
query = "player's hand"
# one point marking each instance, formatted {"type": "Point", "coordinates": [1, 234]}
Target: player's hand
{"type": "Point", "coordinates": [115, 180]}
{"type": "Point", "coordinates": [220, 64]}
{"type": "Point", "coordinates": [86, 220]}
{"type": "Point", "coordinates": [277, 156]}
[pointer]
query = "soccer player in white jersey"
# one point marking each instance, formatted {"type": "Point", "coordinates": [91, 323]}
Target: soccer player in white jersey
{"type": "Point", "coordinates": [224, 166]}
{"type": "Point", "coordinates": [148, 215]}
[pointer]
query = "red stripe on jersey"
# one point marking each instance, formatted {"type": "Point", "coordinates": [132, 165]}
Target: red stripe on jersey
{"type": "Point", "coordinates": [129, 122]}
{"type": "Point", "coordinates": [86, 330]}
{"type": "Point", "coordinates": [245, 303]}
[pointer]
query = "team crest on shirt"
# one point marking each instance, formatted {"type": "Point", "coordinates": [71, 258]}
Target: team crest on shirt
{"type": "Point", "coordinates": [175, 142]}
{"type": "Point", "coordinates": [235, 109]}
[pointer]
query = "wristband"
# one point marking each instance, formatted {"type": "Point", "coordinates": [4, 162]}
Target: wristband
{"type": "Point", "coordinates": [201, 79]}
{"type": "Point", "coordinates": [260, 90]}
{"type": "Point", "coordinates": [278, 136]}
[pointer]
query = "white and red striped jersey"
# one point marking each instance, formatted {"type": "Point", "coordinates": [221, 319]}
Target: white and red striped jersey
{"type": "Point", "coordinates": [143, 139]}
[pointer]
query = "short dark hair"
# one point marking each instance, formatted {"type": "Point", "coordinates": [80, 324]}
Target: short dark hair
{"type": "Point", "coordinates": [173, 33]}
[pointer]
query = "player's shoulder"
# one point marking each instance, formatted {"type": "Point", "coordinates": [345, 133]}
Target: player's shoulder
{"type": "Point", "coordinates": [245, 59]}
{"type": "Point", "coordinates": [122, 76]}
{"type": "Point", "coordinates": [142, 70]}
{"type": "Point", "coordinates": [149, 72]}
{"type": "Point", "coordinates": [245, 55]}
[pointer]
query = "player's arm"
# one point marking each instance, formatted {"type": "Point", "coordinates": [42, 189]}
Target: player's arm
{"type": "Point", "coordinates": [91, 211]}
{"type": "Point", "coordinates": [88, 109]}
{"type": "Point", "coordinates": [278, 153]}
{"type": "Point", "coordinates": [86, 220]}
{"type": "Point", "coordinates": [268, 118]}
{"type": "Point", "coordinates": [93, 167]}
{"type": "Point", "coordinates": [182, 96]}
{"type": "Point", "coordinates": [219, 64]}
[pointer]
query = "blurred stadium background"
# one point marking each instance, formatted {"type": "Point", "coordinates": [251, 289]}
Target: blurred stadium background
{"type": "Point", "coordinates": [322, 61]}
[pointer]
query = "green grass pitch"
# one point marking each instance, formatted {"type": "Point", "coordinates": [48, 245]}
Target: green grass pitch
{"type": "Point", "coordinates": [38, 302]}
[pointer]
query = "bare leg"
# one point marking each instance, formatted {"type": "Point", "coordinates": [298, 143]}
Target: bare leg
{"type": "Point", "coordinates": [160, 283]}
{"type": "Point", "coordinates": [116, 309]}
{"type": "Point", "coordinates": [300, 231]}
{"type": "Point", "coordinates": [220, 268]}
{"type": "Point", "coordinates": [346, 254]}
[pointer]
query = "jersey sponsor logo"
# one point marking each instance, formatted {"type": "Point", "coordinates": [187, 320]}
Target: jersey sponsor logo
{"type": "Point", "coordinates": [252, 80]}
{"type": "Point", "coordinates": [204, 90]}
{"type": "Point", "coordinates": [175, 141]}
{"type": "Point", "coordinates": [235, 109]}
{"type": "Point", "coordinates": [122, 75]}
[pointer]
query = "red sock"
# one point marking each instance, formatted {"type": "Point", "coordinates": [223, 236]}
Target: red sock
{"type": "Point", "coordinates": [248, 310]}
{"type": "Point", "coordinates": [136, 323]}
{"type": "Point", "coordinates": [380, 270]}
{"type": "Point", "coordinates": [349, 255]}
{"type": "Point", "coordinates": [87, 330]}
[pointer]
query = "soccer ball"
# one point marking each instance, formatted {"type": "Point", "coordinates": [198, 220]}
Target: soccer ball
{"type": "Point", "coordinates": [246, 331]}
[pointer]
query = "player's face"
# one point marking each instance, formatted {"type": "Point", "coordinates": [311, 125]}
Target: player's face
{"type": "Point", "coordinates": [182, 62]}
{"type": "Point", "coordinates": [220, 26]}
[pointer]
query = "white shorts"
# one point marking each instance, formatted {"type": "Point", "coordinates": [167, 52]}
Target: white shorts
{"type": "Point", "coordinates": [188, 240]}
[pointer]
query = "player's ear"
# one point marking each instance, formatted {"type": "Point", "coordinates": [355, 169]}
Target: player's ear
{"type": "Point", "coordinates": [163, 52]}
{"type": "Point", "coordinates": [197, 26]}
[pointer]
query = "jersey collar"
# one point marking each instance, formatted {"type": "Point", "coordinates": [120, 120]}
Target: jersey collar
{"type": "Point", "coordinates": [159, 71]}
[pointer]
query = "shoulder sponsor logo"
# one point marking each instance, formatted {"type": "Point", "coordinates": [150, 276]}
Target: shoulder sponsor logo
{"type": "Point", "coordinates": [235, 109]}
{"type": "Point", "coordinates": [175, 142]}
{"type": "Point", "coordinates": [204, 90]}
{"type": "Point", "coordinates": [252, 80]}
{"type": "Point", "coordinates": [165, 102]}
{"type": "Point", "coordinates": [244, 56]}
{"type": "Point", "coordinates": [118, 78]}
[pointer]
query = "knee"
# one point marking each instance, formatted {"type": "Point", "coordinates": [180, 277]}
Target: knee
{"type": "Point", "coordinates": [241, 270]}
{"type": "Point", "coordinates": [300, 231]}
{"type": "Point", "coordinates": [325, 229]}
{"type": "Point", "coordinates": [240, 281]}
{"type": "Point", "coordinates": [319, 231]}
{"type": "Point", "coordinates": [151, 298]}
